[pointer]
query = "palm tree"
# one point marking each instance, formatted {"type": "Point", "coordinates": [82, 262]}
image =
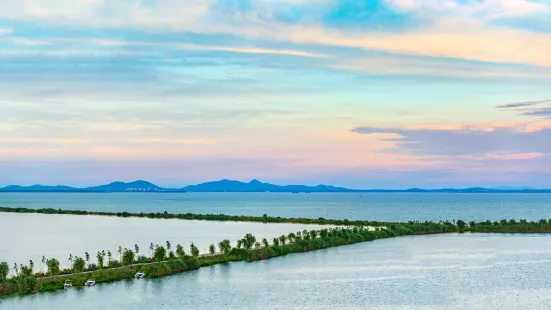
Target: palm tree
{"type": "Point", "coordinates": [120, 253]}
{"type": "Point", "coordinates": [136, 249]}
{"type": "Point", "coordinates": [282, 239]}
{"type": "Point", "coordinates": [151, 247]}
{"type": "Point", "coordinates": [265, 243]}
{"type": "Point", "coordinates": [43, 262]}
{"type": "Point", "coordinates": [239, 242]}
{"type": "Point", "coordinates": [212, 249]}
{"type": "Point", "coordinates": [70, 261]}
{"type": "Point", "coordinates": [168, 246]}
{"type": "Point", "coordinates": [87, 258]}
{"type": "Point", "coordinates": [276, 241]}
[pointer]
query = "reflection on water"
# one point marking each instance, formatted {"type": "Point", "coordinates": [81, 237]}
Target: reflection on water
{"type": "Point", "coordinates": [482, 271]}
{"type": "Point", "coordinates": [58, 236]}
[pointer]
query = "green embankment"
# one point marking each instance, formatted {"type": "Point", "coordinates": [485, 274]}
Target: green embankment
{"type": "Point", "coordinates": [25, 281]}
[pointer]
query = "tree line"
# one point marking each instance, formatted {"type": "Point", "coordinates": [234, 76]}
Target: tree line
{"type": "Point", "coordinates": [165, 259]}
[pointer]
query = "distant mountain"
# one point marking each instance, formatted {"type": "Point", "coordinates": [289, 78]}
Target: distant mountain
{"type": "Point", "coordinates": [136, 186]}
{"type": "Point", "coordinates": [257, 186]}
{"type": "Point", "coordinates": [252, 186]}
{"type": "Point", "coordinates": [37, 188]}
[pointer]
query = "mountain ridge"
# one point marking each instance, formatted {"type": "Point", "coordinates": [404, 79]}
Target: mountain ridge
{"type": "Point", "coordinates": [254, 186]}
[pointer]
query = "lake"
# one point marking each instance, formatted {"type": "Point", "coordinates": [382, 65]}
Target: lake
{"type": "Point", "coordinates": [453, 271]}
{"type": "Point", "coordinates": [364, 206]}
{"type": "Point", "coordinates": [34, 235]}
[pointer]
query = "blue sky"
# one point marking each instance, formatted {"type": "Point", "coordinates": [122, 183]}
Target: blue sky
{"type": "Point", "coordinates": [385, 93]}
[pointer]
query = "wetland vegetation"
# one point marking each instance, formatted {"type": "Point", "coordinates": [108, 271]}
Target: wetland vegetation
{"type": "Point", "coordinates": [162, 260]}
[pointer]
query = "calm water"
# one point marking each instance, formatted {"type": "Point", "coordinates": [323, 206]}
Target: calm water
{"type": "Point", "coordinates": [423, 272]}
{"type": "Point", "coordinates": [34, 235]}
{"type": "Point", "coordinates": [370, 206]}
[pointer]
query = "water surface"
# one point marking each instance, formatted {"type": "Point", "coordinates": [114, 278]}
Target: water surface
{"type": "Point", "coordinates": [365, 206]}
{"type": "Point", "coordinates": [470, 271]}
{"type": "Point", "coordinates": [33, 235]}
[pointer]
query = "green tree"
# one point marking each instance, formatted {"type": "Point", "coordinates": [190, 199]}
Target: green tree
{"type": "Point", "coordinates": [109, 256]}
{"type": "Point", "coordinates": [180, 251]}
{"type": "Point", "coordinates": [282, 239]}
{"type": "Point", "coordinates": [151, 248]}
{"type": "Point", "coordinates": [43, 261]}
{"type": "Point", "coordinates": [291, 237]}
{"type": "Point", "coordinates": [212, 249]}
{"type": "Point", "coordinates": [4, 271]}
{"type": "Point", "coordinates": [99, 256]}
{"type": "Point", "coordinates": [53, 266]}
{"type": "Point", "coordinates": [136, 249]}
{"type": "Point", "coordinates": [265, 243]}
{"type": "Point", "coordinates": [160, 253]}
{"type": "Point", "coordinates": [225, 247]}
{"type": "Point", "coordinates": [70, 260]}
{"type": "Point", "coordinates": [461, 224]}
{"type": "Point", "coordinates": [276, 241]}
{"type": "Point", "coordinates": [79, 264]}
{"type": "Point", "coordinates": [87, 258]}
{"type": "Point", "coordinates": [168, 246]}
{"type": "Point", "coordinates": [249, 241]}
{"type": "Point", "coordinates": [239, 243]}
{"type": "Point", "coordinates": [127, 257]}
{"type": "Point", "coordinates": [16, 269]}
{"type": "Point", "coordinates": [257, 245]}
{"type": "Point", "coordinates": [31, 266]}
{"type": "Point", "coordinates": [120, 253]}
{"type": "Point", "coordinates": [194, 250]}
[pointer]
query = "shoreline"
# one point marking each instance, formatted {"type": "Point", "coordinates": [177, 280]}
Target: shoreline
{"type": "Point", "coordinates": [30, 283]}
{"type": "Point", "coordinates": [345, 232]}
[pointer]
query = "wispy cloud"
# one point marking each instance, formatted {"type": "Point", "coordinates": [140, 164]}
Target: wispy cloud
{"type": "Point", "coordinates": [455, 29]}
{"type": "Point", "coordinates": [522, 104]}
{"type": "Point", "coordinates": [464, 141]}
{"type": "Point", "coordinates": [235, 86]}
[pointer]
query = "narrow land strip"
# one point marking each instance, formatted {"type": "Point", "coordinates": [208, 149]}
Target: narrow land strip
{"type": "Point", "coordinates": [165, 262]}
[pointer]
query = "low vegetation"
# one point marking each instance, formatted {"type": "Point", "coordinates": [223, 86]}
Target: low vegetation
{"type": "Point", "coordinates": [162, 260]}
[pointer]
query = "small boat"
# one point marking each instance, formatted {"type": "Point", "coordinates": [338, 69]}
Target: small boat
{"type": "Point", "coordinates": [90, 283]}
{"type": "Point", "coordinates": [139, 275]}
{"type": "Point", "coordinates": [68, 284]}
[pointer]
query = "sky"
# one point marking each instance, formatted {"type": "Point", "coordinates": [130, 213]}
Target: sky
{"type": "Point", "coordinates": [363, 94]}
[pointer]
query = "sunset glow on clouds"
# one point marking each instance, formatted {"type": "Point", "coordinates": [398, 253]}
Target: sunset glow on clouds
{"type": "Point", "coordinates": [373, 93]}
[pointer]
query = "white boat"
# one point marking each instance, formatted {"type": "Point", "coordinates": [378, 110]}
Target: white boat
{"type": "Point", "coordinates": [68, 284]}
{"type": "Point", "coordinates": [90, 283]}
{"type": "Point", "coordinates": [139, 275]}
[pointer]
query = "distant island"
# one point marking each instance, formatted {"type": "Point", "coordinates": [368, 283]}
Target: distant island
{"type": "Point", "coordinates": [253, 186]}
